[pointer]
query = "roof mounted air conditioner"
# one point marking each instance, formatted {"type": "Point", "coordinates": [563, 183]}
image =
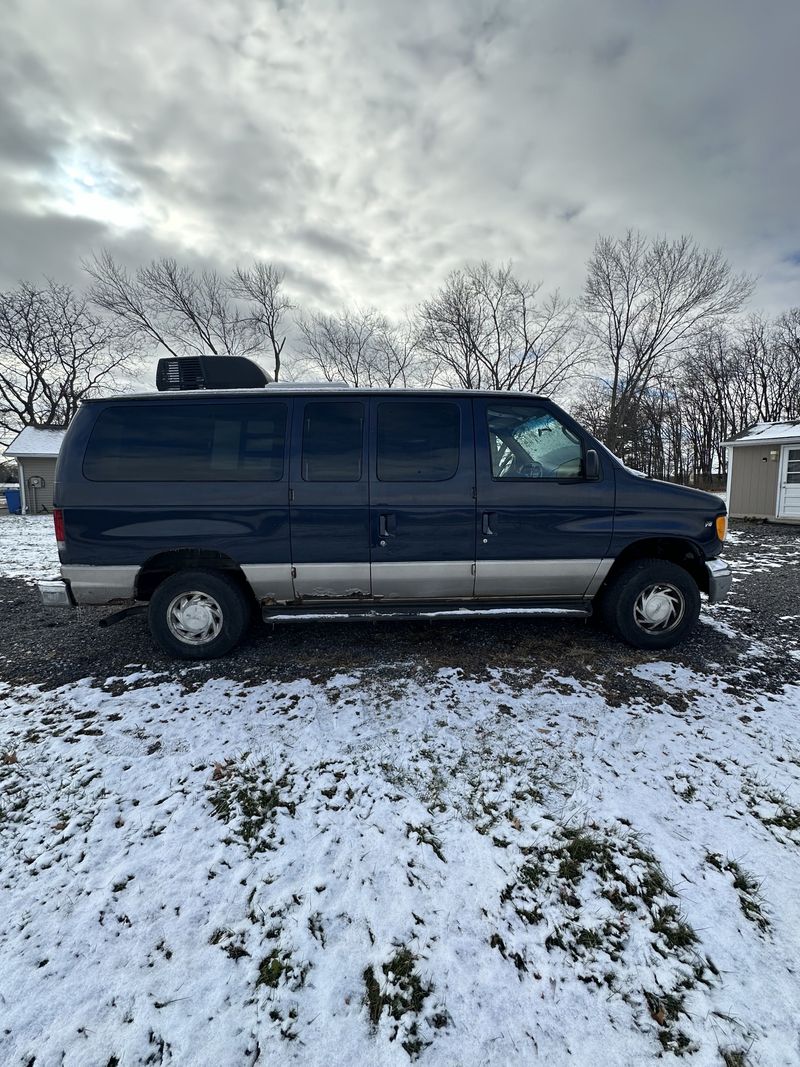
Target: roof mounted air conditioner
{"type": "Point", "coordinates": [209, 372]}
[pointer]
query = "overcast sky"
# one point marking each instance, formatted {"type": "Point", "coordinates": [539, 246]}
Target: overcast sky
{"type": "Point", "coordinates": [370, 146]}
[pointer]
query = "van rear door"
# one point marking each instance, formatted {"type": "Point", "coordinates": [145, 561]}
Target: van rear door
{"type": "Point", "coordinates": [543, 529]}
{"type": "Point", "coordinates": [422, 503]}
{"type": "Point", "coordinates": [329, 499]}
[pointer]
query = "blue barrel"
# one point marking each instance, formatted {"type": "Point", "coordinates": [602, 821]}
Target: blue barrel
{"type": "Point", "coordinates": [13, 501]}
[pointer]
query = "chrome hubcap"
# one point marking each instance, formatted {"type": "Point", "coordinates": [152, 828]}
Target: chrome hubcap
{"type": "Point", "coordinates": [194, 618]}
{"type": "Point", "coordinates": [659, 608]}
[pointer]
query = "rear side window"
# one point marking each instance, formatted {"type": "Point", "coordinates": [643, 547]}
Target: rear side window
{"type": "Point", "coordinates": [418, 441]}
{"type": "Point", "coordinates": [333, 435]}
{"type": "Point", "coordinates": [223, 442]}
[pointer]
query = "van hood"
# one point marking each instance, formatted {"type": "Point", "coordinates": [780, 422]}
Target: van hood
{"type": "Point", "coordinates": [668, 494]}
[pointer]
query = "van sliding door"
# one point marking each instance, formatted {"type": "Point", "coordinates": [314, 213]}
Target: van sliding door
{"type": "Point", "coordinates": [329, 499]}
{"type": "Point", "coordinates": [422, 503]}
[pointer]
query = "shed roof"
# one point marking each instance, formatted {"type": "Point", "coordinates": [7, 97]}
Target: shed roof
{"type": "Point", "coordinates": [36, 441]}
{"type": "Point", "coordinates": [765, 432]}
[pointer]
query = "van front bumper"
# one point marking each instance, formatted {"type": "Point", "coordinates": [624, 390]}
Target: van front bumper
{"type": "Point", "coordinates": [56, 593]}
{"type": "Point", "coordinates": [720, 578]}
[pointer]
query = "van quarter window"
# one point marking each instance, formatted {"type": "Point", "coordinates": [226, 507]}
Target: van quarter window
{"type": "Point", "coordinates": [223, 442]}
{"type": "Point", "coordinates": [333, 436]}
{"type": "Point", "coordinates": [418, 441]}
{"type": "Point", "coordinates": [528, 442]}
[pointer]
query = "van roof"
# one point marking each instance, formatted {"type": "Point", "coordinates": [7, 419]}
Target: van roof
{"type": "Point", "coordinates": [304, 389]}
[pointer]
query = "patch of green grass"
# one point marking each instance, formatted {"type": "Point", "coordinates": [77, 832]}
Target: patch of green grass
{"type": "Point", "coordinates": [559, 884]}
{"type": "Point", "coordinates": [670, 925]}
{"type": "Point", "coordinates": [425, 835]}
{"type": "Point", "coordinates": [589, 938]}
{"type": "Point", "coordinates": [372, 997]}
{"type": "Point", "coordinates": [581, 848]}
{"type": "Point", "coordinates": [787, 815]}
{"type": "Point", "coordinates": [248, 799]}
{"type": "Point", "coordinates": [666, 1009]}
{"type": "Point", "coordinates": [270, 970]}
{"type": "Point", "coordinates": [746, 886]}
{"type": "Point", "coordinates": [402, 995]}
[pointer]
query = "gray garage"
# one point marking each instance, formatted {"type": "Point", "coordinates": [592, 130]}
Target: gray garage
{"type": "Point", "coordinates": [36, 451]}
{"type": "Point", "coordinates": [764, 472]}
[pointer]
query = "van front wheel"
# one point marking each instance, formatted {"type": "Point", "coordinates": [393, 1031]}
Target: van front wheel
{"type": "Point", "coordinates": [198, 614]}
{"type": "Point", "coordinates": [651, 604]}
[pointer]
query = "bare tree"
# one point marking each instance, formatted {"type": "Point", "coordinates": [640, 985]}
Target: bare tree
{"type": "Point", "coordinates": [766, 357]}
{"type": "Point", "coordinates": [262, 286]}
{"type": "Point", "coordinates": [359, 347]}
{"type": "Point", "coordinates": [487, 329]}
{"type": "Point", "coordinates": [194, 313]}
{"type": "Point", "coordinates": [644, 301]}
{"type": "Point", "coordinates": [54, 352]}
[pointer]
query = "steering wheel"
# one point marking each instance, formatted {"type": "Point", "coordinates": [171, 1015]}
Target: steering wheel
{"type": "Point", "coordinates": [530, 470]}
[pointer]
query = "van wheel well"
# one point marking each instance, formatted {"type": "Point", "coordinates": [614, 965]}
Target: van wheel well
{"type": "Point", "coordinates": [673, 549]}
{"type": "Point", "coordinates": [164, 564]}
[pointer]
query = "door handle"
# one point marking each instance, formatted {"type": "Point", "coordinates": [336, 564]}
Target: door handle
{"type": "Point", "coordinates": [488, 518]}
{"type": "Point", "coordinates": [386, 525]}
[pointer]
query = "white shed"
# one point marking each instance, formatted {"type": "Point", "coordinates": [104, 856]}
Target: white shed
{"type": "Point", "coordinates": [764, 472]}
{"type": "Point", "coordinates": [36, 450]}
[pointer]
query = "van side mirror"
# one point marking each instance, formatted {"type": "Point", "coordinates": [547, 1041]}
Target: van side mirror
{"type": "Point", "coordinates": [591, 465]}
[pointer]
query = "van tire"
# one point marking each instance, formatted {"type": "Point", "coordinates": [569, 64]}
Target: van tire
{"type": "Point", "coordinates": [651, 603]}
{"type": "Point", "coordinates": [213, 621]}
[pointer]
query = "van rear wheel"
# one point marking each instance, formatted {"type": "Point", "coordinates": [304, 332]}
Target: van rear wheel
{"type": "Point", "coordinates": [198, 614]}
{"type": "Point", "coordinates": [651, 604]}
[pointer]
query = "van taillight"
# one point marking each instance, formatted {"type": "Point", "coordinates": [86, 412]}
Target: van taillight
{"type": "Point", "coordinates": [58, 523]}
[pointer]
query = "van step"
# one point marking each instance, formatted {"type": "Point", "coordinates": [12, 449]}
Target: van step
{"type": "Point", "coordinates": [378, 612]}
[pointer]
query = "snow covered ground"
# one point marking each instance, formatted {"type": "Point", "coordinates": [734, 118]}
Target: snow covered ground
{"type": "Point", "coordinates": [396, 864]}
{"type": "Point", "coordinates": [28, 547]}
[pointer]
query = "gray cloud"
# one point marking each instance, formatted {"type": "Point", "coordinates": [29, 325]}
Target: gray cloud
{"type": "Point", "coordinates": [371, 152]}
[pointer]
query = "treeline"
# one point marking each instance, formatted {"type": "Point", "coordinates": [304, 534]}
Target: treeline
{"type": "Point", "coordinates": [655, 355]}
{"type": "Point", "coordinates": [728, 377]}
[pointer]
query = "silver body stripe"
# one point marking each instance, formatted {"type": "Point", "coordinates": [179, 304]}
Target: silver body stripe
{"type": "Point", "coordinates": [539, 577]}
{"type": "Point", "coordinates": [270, 581]}
{"type": "Point", "coordinates": [331, 580]}
{"type": "Point", "coordinates": [423, 580]}
{"type": "Point", "coordinates": [100, 585]}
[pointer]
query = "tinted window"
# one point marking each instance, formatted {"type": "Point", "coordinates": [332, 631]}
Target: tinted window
{"type": "Point", "coordinates": [216, 442]}
{"type": "Point", "coordinates": [332, 442]}
{"type": "Point", "coordinates": [526, 441]}
{"type": "Point", "coordinates": [417, 441]}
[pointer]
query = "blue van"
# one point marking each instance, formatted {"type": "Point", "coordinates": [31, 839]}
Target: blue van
{"type": "Point", "coordinates": [299, 502]}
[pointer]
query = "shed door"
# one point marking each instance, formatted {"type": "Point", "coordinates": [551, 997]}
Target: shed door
{"type": "Point", "coordinates": [789, 504]}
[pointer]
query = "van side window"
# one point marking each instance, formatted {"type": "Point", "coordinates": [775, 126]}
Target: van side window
{"type": "Point", "coordinates": [526, 441]}
{"type": "Point", "coordinates": [220, 442]}
{"type": "Point", "coordinates": [333, 435]}
{"type": "Point", "coordinates": [418, 441]}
